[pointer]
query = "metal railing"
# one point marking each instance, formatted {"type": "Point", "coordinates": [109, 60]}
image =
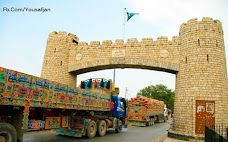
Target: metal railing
{"type": "Point", "coordinates": [217, 133]}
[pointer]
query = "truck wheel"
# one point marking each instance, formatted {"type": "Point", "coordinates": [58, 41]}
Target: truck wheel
{"type": "Point", "coordinates": [147, 123]}
{"type": "Point", "coordinates": [91, 129]}
{"type": "Point", "coordinates": [119, 126]}
{"type": "Point", "coordinates": [7, 132]}
{"type": "Point", "coordinates": [101, 128]}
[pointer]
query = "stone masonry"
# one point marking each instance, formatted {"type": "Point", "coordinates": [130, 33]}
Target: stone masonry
{"type": "Point", "coordinates": [196, 57]}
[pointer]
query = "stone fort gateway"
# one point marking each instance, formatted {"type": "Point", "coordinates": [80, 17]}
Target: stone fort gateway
{"type": "Point", "coordinates": [196, 57]}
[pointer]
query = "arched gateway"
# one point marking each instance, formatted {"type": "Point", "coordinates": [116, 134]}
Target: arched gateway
{"type": "Point", "coordinates": [196, 56]}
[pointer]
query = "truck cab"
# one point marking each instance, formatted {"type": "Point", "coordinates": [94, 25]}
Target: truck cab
{"type": "Point", "coordinates": [119, 110]}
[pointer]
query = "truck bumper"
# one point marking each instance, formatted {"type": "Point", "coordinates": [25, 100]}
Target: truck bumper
{"type": "Point", "coordinates": [143, 123]}
{"type": "Point", "coordinates": [69, 132]}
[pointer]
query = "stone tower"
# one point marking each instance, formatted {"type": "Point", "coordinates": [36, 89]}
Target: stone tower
{"type": "Point", "coordinates": [201, 76]}
{"type": "Point", "coordinates": [56, 58]}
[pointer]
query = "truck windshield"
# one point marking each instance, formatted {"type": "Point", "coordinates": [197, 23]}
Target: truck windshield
{"type": "Point", "coordinates": [121, 104]}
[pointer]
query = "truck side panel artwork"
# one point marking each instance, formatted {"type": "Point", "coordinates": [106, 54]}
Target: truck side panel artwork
{"type": "Point", "coordinates": [32, 103]}
{"type": "Point", "coordinates": [144, 111]}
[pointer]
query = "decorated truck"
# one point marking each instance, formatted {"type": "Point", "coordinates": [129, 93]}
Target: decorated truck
{"type": "Point", "coordinates": [144, 111]}
{"type": "Point", "coordinates": [32, 103]}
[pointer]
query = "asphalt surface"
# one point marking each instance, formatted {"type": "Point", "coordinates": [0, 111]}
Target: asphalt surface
{"type": "Point", "coordinates": [155, 133]}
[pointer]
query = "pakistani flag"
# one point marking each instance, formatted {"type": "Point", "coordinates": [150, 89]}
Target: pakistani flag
{"type": "Point", "coordinates": [129, 15]}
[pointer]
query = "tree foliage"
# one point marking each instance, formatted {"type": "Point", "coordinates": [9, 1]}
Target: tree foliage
{"type": "Point", "coordinates": [159, 92]}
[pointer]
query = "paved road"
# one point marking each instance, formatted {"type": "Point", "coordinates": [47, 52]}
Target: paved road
{"type": "Point", "coordinates": [155, 133]}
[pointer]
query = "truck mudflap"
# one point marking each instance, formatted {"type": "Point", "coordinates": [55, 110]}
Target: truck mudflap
{"type": "Point", "coordinates": [143, 123]}
{"type": "Point", "coordinates": [125, 122]}
{"type": "Point", "coordinates": [69, 132]}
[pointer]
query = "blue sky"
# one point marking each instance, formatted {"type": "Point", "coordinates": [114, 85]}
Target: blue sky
{"type": "Point", "coordinates": [23, 35]}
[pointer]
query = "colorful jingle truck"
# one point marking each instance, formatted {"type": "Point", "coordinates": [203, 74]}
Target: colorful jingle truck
{"type": "Point", "coordinates": [143, 111]}
{"type": "Point", "coordinates": [32, 103]}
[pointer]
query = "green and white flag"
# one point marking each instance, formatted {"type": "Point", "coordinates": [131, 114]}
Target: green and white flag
{"type": "Point", "coordinates": [130, 15]}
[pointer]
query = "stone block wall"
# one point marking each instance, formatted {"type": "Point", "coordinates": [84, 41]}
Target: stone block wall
{"type": "Point", "coordinates": [202, 73]}
{"type": "Point", "coordinates": [161, 54]}
{"type": "Point", "coordinates": [56, 58]}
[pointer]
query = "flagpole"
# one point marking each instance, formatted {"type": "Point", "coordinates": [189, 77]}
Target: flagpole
{"type": "Point", "coordinates": [124, 20]}
{"type": "Point", "coordinates": [114, 73]}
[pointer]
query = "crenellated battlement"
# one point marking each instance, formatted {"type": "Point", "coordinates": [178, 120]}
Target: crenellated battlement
{"type": "Point", "coordinates": [53, 36]}
{"type": "Point", "coordinates": [82, 43]}
{"type": "Point", "coordinates": [132, 40]}
{"type": "Point", "coordinates": [163, 40]}
{"type": "Point", "coordinates": [107, 42]}
{"type": "Point", "coordinates": [206, 24]}
{"type": "Point", "coordinates": [95, 43]}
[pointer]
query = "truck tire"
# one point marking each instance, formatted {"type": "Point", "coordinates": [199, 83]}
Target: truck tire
{"type": "Point", "coordinates": [119, 126]}
{"type": "Point", "coordinates": [8, 132]}
{"type": "Point", "coordinates": [101, 128]}
{"type": "Point", "coordinates": [91, 129]}
{"type": "Point", "coordinates": [147, 123]}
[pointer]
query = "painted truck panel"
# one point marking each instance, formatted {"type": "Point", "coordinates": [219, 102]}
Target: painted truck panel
{"type": "Point", "coordinates": [45, 104]}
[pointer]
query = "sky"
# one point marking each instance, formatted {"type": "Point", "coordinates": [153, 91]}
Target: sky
{"type": "Point", "coordinates": [23, 35]}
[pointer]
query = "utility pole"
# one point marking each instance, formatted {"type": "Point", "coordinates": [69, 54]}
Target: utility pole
{"type": "Point", "coordinates": [126, 93]}
{"type": "Point", "coordinates": [114, 76]}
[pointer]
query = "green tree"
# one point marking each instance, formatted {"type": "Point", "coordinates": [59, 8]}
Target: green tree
{"type": "Point", "coordinates": [159, 92]}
